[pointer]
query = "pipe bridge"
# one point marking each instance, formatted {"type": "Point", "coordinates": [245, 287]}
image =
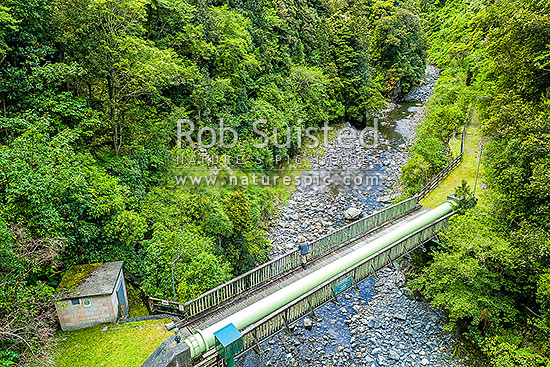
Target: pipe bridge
{"type": "Point", "coordinates": [239, 315]}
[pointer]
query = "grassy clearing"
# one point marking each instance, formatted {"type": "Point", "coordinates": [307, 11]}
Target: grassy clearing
{"type": "Point", "coordinates": [466, 170]}
{"type": "Point", "coordinates": [129, 346]}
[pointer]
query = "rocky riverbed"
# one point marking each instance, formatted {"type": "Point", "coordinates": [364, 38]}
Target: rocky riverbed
{"type": "Point", "coordinates": [378, 326]}
{"type": "Point", "coordinates": [426, 88]}
{"type": "Point", "coordinates": [353, 175]}
{"type": "Point", "coordinates": [346, 176]}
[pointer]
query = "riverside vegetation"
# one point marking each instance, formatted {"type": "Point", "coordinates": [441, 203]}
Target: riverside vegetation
{"type": "Point", "coordinates": [90, 91]}
{"type": "Point", "coordinates": [491, 271]}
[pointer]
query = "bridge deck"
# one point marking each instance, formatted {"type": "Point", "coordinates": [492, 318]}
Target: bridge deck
{"type": "Point", "coordinates": [259, 293]}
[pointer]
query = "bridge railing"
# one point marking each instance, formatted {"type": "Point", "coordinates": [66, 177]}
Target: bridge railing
{"type": "Point", "coordinates": [256, 333]}
{"type": "Point", "coordinates": [280, 266]}
{"type": "Point", "coordinates": [436, 180]}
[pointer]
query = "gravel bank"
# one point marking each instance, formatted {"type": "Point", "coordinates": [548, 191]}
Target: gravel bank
{"type": "Point", "coordinates": [426, 88]}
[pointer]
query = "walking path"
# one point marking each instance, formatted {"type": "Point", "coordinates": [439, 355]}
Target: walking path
{"type": "Point", "coordinates": [466, 170]}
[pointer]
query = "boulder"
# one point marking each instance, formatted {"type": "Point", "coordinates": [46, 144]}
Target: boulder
{"type": "Point", "coordinates": [353, 214]}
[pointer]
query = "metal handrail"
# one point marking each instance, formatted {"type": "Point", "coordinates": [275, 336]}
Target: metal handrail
{"type": "Point", "coordinates": [281, 265]}
{"type": "Point", "coordinates": [258, 332]}
{"type": "Point", "coordinates": [441, 175]}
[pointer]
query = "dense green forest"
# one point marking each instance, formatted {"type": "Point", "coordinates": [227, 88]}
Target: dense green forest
{"type": "Point", "coordinates": [491, 272]}
{"type": "Point", "coordinates": [90, 94]}
{"type": "Point", "coordinates": [91, 91]}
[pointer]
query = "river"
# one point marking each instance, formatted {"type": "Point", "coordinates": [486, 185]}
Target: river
{"type": "Point", "coordinates": [381, 325]}
{"type": "Point", "coordinates": [348, 175]}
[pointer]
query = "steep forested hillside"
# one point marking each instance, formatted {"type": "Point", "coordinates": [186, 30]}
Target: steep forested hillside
{"type": "Point", "coordinates": [492, 271]}
{"type": "Point", "coordinates": [90, 93]}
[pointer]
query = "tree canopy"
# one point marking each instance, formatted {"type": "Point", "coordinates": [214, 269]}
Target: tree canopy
{"type": "Point", "coordinates": [90, 93]}
{"type": "Point", "coordinates": [490, 273]}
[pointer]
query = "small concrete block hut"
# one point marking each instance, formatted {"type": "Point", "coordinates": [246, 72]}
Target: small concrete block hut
{"type": "Point", "coordinates": [92, 294]}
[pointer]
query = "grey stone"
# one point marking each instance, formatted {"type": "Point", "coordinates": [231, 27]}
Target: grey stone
{"type": "Point", "coordinates": [373, 324]}
{"type": "Point", "coordinates": [352, 213]}
{"type": "Point", "coordinates": [400, 316]}
{"type": "Point", "coordinates": [394, 355]}
{"type": "Point", "coordinates": [308, 324]}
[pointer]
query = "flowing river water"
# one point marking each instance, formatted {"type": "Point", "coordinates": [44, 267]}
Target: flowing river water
{"type": "Point", "coordinates": [348, 175]}
{"type": "Point", "coordinates": [380, 325]}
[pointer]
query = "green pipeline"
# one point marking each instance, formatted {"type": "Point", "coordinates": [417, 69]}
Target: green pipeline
{"type": "Point", "coordinates": [202, 340]}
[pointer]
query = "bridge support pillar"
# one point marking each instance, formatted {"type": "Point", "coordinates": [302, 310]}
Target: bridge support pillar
{"type": "Point", "coordinates": [170, 354]}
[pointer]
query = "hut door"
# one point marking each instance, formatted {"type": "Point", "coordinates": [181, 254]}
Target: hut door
{"type": "Point", "coordinates": [122, 305]}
